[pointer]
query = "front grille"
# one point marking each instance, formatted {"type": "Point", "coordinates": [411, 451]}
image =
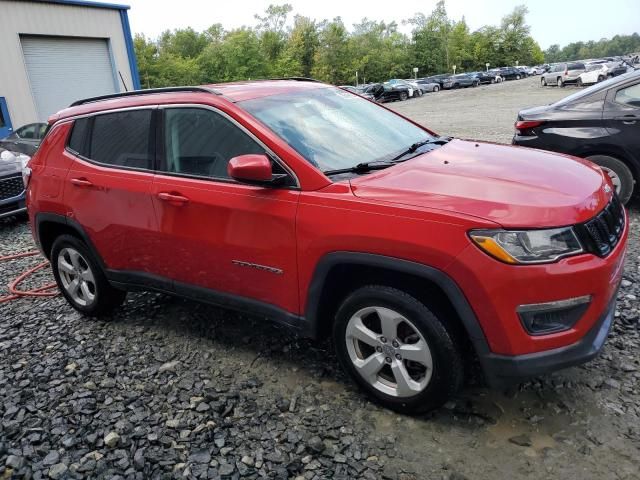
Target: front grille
{"type": "Point", "coordinates": [602, 233]}
{"type": "Point", "coordinates": [11, 187]}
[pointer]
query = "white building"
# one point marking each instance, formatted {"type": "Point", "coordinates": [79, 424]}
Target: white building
{"type": "Point", "coordinates": [54, 52]}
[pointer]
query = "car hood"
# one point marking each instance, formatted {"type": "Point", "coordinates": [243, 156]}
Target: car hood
{"type": "Point", "coordinates": [513, 186]}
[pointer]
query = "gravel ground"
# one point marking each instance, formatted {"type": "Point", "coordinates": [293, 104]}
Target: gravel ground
{"type": "Point", "coordinates": [171, 389]}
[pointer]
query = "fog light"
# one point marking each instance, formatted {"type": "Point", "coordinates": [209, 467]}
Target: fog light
{"type": "Point", "coordinates": [552, 317]}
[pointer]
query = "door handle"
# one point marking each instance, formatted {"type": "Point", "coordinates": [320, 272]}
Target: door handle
{"type": "Point", "coordinates": [173, 198]}
{"type": "Point", "coordinates": [81, 182]}
{"type": "Point", "coordinates": [628, 119]}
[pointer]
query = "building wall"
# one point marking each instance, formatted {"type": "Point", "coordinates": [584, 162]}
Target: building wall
{"type": "Point", "coordinates": [41, 18]}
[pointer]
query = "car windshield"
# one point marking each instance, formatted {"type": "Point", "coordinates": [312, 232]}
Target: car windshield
{"type": "Point", "coordinates": [596, 88]}
{"type": "Point", "coordinates": [333, 129]}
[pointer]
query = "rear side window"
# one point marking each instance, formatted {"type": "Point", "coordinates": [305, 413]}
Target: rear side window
{"type": "Point", "coordinates": [122, 139]}
{"type": "Point", "coordinates": [575, 66]}
{"type": "Point", "coordinates": [77, 140]}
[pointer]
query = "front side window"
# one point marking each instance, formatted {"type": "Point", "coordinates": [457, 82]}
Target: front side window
{"type": "Point", "coordinates": [629, 96]}
{"type": "Point", "coordinates": [201, 142]}
{"type": "Point", "coordinates": [29, 132]}
{"type": "Point", "coordinates": [122, 139]}
{"type": "Point", "coordinates": [332, 129]}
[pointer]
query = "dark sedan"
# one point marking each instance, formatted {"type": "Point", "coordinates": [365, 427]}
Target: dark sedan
{"type": "Point", "coordinates": [510, 73]}
{"type": "Point", "coordinates": [600, 123]}
{"type": "Point", "coordinates": [25, 139]}
{"type": "Point", "coordinates": [485, 77]}
{"type": "Point", "coordinates": [460, 81]}
{"type": "Point", "coordinates": [386, 92]}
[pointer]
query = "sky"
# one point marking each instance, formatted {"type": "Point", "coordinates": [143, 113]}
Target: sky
{"type": "Point", "coordinates": [551, 21]}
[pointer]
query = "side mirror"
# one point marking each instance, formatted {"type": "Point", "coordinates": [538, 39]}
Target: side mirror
{"type": "Point", "coordinates": [253, 168]}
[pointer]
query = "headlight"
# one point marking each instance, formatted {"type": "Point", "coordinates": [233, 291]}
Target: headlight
{"type": "Point", "coordinates": [528, 246]}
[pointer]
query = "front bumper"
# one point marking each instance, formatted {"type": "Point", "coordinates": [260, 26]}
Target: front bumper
{"type": "Point", "coordinates": [13, 206]}
{"type": "Point", "coordinates": [501, 370]}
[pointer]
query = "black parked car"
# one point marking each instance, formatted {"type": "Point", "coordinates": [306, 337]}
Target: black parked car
{"type": "Point", "coordinates": [439, 79]}
{"type": "Point", "coordinates": [461, 80]}
{"type": "Point", "coordinates": [12, 194]}
{"type": "Point", "coordinates": [485, 77]}
{"type": "Point", "coordinates": [600, 123]}
{"type": "Point", "coordinates": [25, 139]}
{"type": "Point", "coordinates": [386, 92]}
{"type": "Point", "coordinates": [510, 73]}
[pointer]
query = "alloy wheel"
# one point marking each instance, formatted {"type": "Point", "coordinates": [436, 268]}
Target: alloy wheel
{"type": "Point", "coordinates": [615, 179]}
{"type": "Point", "coordinates": [76, 276]}
{"type": "Point", "coordinates": [389, 352]}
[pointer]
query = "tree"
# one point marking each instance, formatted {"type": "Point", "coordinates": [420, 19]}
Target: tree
{"type": "Point", "coordinates": [331, 62]}
{"type": "Point", "coordinates": [271, 30]}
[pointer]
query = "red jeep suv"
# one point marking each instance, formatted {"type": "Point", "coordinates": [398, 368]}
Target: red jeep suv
{"type": "Point", "coordinates": [317, 208]}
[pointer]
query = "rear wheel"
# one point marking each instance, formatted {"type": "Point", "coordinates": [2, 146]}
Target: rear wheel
{"type": "Point", "coordinates": [81, 279]}
{"type": "Point", "coordinates": [475, 84]}
{"type": "Point", "coordinates": [544, 82]}
{"type": "Point", "coordinates": [436, 88]}
{"type": "Point", "coordinates": [620, 174]}
{"type": "Point", "coordinates": [517, 77]}
{"type": "Point", "coordinates": [396, 349]}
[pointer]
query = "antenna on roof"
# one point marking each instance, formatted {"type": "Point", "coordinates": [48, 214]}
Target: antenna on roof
{"type": "Point", "coordinates": [123, 84]}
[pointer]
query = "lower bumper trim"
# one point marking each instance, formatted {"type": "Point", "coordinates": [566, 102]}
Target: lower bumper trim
{"type": "Point", "coordinates": [501, 370]}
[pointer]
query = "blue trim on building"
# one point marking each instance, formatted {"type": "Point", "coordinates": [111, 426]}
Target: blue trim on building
{"type": "Point", "coordinates": [84, 3]}
{"type": "Point", "coordinates": [131, 52]}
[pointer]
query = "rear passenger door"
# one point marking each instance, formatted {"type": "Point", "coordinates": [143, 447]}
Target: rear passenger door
{"type": "Point", "coordinates": [107, 188]}
{"type": "Point", "coordinates": [214, 232]}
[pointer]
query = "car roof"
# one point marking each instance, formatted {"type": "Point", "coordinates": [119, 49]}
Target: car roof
{"type": "Point", "coordinates": [232, 91]}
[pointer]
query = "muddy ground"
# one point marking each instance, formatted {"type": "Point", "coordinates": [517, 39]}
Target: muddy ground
{"type": "Point", "coordinates": [167, 388]}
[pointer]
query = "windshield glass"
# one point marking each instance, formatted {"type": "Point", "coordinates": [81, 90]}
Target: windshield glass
{"type": "Point", "coordinates": [595, 88]}
{"type": "Point", "coordinates": [334, 129]}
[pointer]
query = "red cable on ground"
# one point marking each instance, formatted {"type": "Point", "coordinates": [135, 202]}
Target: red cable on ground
{"type": "Point", "coordinates": [34, 292]}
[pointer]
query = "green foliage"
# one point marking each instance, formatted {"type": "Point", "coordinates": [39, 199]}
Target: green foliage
{"type": "Point", "coordinates": [329, 51]}
{"type": "Point", "coordinates": [618, 45]}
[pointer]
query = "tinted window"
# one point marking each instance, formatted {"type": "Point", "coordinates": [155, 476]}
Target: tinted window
{"type": "Point", "coordinates": [629, 96]}
{"type": "Point", "coordinates": [2, 122]}
{"type": "Point", "coordinates": [78, 136]}
{"type": "Point", "coordinates": [201, 142]}
{"type": "Point", "coordinates": [122, 139]}
{"type": "Point", "coordinates": [28, 131]}
{"type": "Point", "coordinates": [575, 66]}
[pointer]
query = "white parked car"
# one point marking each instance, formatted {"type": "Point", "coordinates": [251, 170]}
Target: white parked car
{"type": "Point", "coordinates": [594, 73]}
{"type": "Point", "coordinates": [537, 70]}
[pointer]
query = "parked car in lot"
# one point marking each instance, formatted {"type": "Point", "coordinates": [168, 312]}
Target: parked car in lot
{"type": "Point", "coordinates": [389, 93]}
{"type": "Point", "coordinates": [337, 217]}
{"type": "Point", "coordinates": [537, 70]}
{"type": "Point", "coordinates": [485, 77]}
{"type": "Point", "coordinates": [462, 80]}
{"type": "Point", "coordinates": [594, 73]}
{"type": "Point", "coordinates": [600, 123]}
{"type": "Point", "coordinates": [509, 73]}
{"type": "Point", "coordinates": [359, 91]}
{"type": "Point", "coordinates": [25, 139]}
{"type": "Point", "coordinates": [563, 74]}
{"type": "Point", "coordinates": [12, 193]}
{"type": "Point", "coordinates": [439, 79]}
{"type": "Point", "coordinates": [427, 85]}
{"type": "Point", "coordinates": [412, 90]}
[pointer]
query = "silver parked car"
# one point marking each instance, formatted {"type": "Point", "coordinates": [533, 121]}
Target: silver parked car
{"type": "Point", "coordinates": [563, 73]}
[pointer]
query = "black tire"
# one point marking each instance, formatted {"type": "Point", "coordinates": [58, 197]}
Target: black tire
{"type": "Point", "coordinates": [493, 80]}
{"type": "Point", "coordinates": [436, 88]}
{"type": "Point", "coordinates": [517, 77]}
{"type": "Point", "coordinates": [623, 172]}
{"type": "Point", "coordinates": [448, 368]}
{"type": "Point", "coordinates": [543, 81]}
{"type": "Point", "coordinates": [403, 96]}
{"type": "Point", "coordinates": [600, 78]}
{"type": "Point", "coordinates": [107, 297]}
{"type": "Point", "coordinates": [559, 82]}
{"type": "Point", "coordinates": [579, 82]}
{"type": "Point", "coordinates": [475, 84]}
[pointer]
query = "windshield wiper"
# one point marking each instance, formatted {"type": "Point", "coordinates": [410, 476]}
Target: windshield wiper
{"type": "Point", "coordinates": [417, 145]}
{"type": "Point", "coordinates": [361, 167]}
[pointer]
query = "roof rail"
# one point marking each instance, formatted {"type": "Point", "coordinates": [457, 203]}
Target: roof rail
{"type": "Point", "coordinates": [298, 79]}
{"type": "Point", "coordinates": [143, 92]}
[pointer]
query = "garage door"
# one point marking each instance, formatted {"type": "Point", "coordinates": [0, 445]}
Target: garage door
{"type": "Point", "coordinates": [62, 70]}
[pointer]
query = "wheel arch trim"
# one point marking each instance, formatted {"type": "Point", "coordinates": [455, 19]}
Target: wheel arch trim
{"type": "Point", "coordinates": [437, 276]}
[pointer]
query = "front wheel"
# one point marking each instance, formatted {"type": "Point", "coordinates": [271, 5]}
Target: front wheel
{"type": "Point", "coordinates": [475, 84]}
{"type": "Point", "coordinates": [517, 77]}
{"type": "Point", "coordinates": [600, 78]}
{"type": "Point", "coordinates": [436, 88]}
{"type": "Point", "coordinates": [403, 96]}
{"type": "Point", "coordinates": [81, 279]}
{"type": "Point", "coordinates": [560, 82]}
{"type": "Point", "coordinates": [396, 349]}
{"type": "Point", "coordinates": [619, 173]}
{"type": "Point", "coordinates": [579, 82]}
